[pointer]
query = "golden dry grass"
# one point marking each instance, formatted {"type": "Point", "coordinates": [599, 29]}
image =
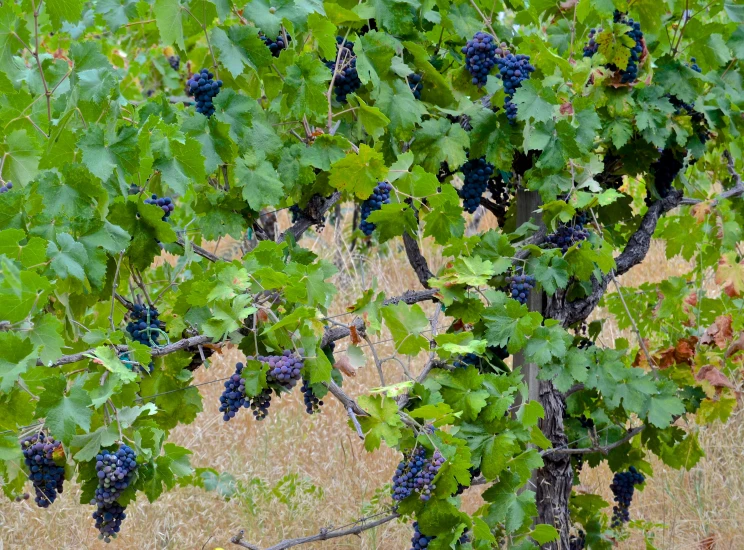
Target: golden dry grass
{"type": "Point", "coordinates": [330, 480]}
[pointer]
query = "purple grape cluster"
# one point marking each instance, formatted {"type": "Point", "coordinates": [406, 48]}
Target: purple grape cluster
{"type": "Point", "coordinates": [476, 173]}
{"type": "Point", "coordinates": [520, 286]}
{"type": "Point", "coordinates": [380, 196]}
{"type": "Point", "coordinates": [420, 541]}
{"type": "Point", "coordinates": [174, 61]}
{"type": "Point", "coordinates": [630, 74]}
{"type": "Point", "coordinates": [144, 325]}
{"type": "Point", "coordinates": [108, 520]}
{"type": "Point", "coordinates": [577, 541]}
{"type": "Point", "coordinates": [47, 478]}
{"type": "Point", "coordinates": [312, 403]}
{"type": "Point", "coordinates": [467, 360]}
{"type": "Point", "coordinates": [623, 487]}
{"type": "Point", "coordinates": [276, 46]}
{"type": "Point", "coordinates": [347, 78]}
{"type": "Point", "coordinates": [7, 186]}
{"type": "Point", "coordinates": [165, 203]}
{"type": "Point", "coordinates": [115, 471]}
{"type": "Point", "coordinates": [285, 370]}
{"type": "Point", "coordinates": [416, 473]}
{"type": "Point", "coordinates": [514, 69]}
{"type": "Point", "coordinates": [480, 57]}
{"type": "Point", "coordinates": [416, 84]}
{"type": "Point", "coordinates": [592, 46]}
{"type": "Point", "coordinates": [233, 397]}
{"type": "Point", "coordinates": [259, 405]}
{"type": "Point", "coordinates": [204, 89]}
{"type": "Point", "coordinates": [567, 235]}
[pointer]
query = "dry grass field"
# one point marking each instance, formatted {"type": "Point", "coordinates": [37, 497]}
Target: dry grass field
{"type": "Point", "coordinates": [300, 473]}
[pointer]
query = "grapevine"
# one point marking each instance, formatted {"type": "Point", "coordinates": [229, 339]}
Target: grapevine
{"type": "Point", "coordinates": [204, 89]}
{"type": "Point", "coordinates": [47, 477]}
{"type": "Point", "coordinates": [380, 196]}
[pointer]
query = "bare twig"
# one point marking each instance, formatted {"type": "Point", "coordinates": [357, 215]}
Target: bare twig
{"type": "Point", "coordinates": [358, 526]}
{"type": "Point", "coordinates": [604, 449]}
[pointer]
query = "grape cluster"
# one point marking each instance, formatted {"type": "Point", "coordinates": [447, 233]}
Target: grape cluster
{"type": "Point", "coordinates": [174, 61]}
{"type": "Point", "coordinates": [577, 541]}
{"type": "Point", "coordinates": [467, 360]}
{"type": "Point", "coordinates": [513, 69]}
{"type": "Point", "coordinates": [380, 196]}
{"type": "Point", "coordinates": [165, 203]}
{"type": "Point", "coordinates": [501, 196]}
{"type": "Point", "coordinates": [474, 472]}
{"type": "Point", "coordinates": [115, 471]}
{"type": "Point", "coordinates": [295, 212]}
{"type": "Point", "coordinates": [480, 56]}
{"type": "Point", "coordinates": [567, 235]}
{"type": "Point", "coordinates": [665, 169]}
{"type": "Point", "coordinates": [420, 541]}
{"type": "Point", "coordinates": [233, 397]}
{"type": "Point", "coordinates": [630, 74]}
{"type": "Point", "coordinates": [204, 89]}
{"type": "Point", "coordinates": [259, 405]}
{"type": "Point", "coordinates": [285, 369]}
{"type": "Point", "coordinates": [416, 85]}
{"type": "Point", "coordinates": [694, 66]}
{"type": "Point", "coordinates": [7, 186]}
{"type": "Point", "coordinates": [312, 403]}
{"type": "Point", "coordinates": [592, 46]}
{"type": "Point", "coordinates": [520, 286]}
{"type": "Point", "coordinates": [476, 173]}
{"type": "Point", "coordinates": [276, 46]}
{"type": "Point", "coordinates": [416, 473]}
{"type": "Point", "coordinates": [46, 476]}
{"type": "Point", "coordinates": [144, 325]}
{"type": "Point", "coordinates": [108, 520]}
{"type": "Point", "coordinates": [623, 487]}
{"type": "Point", "coordinates": [347, 78]}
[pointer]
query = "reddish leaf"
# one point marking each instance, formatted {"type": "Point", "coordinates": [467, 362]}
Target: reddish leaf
{"type": "Point", "coordinates": [344, 365]}
{"type": "Point", "coordinates": [730, 274]}
{"type": "Point", "coordinates": [355, 338]}
{"type": "Point", "coordinates": [700, 211]}
{"type": "Point", "coordinates": [714, 377]}
{"type": "Point", "coordinates": [719, 332]}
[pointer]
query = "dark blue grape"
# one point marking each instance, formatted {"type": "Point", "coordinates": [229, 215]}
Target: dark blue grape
{"type": "Point", "coordinates": [204, 89]}
{"type": "Point", "coordinates": [520, 286]}
{"type": "Point", "coordinates": [347, 78]}
{"type": "Point", "coordinates": [165, 203]}
{"type": "Point", "coordinates": [312, 403]}
{"type": "Point", "coordinates": [476, 173]}
{"type": "Point", "coordinates": [416, 473]}
{"type": "Point", "coordinates": [380, 195]}
{"type": "Point", "coordinates": [259, 405]}
{"type": "Point", "coordinates": [285, 370]}
{"type": "Point", "coordinates": [513, 69]}
{"type": "Point", "coordinates": [295, 212]}
{"type": "Point", "coordinates": [275, 46]}
{"type": "Point", "coordinates": [108, 520]}
{"type": "Point", "coordinates": [577, 541]}
{"type": "Point", "coordinates": [567, 235]}
{"type": "Point", "coordinates": [592, 46]}
{"type": "Point", "coordinates": [623, 487]}
{"type": "Point", "coordinates": [7, 186]}
{"type": "Point", "coordinates": [416, 84]}
{"type": "Point", "coordinates": [175, 62]}
{"type": "Point", "coordinates": [115, 471]}
{"type": "Point", "coordinates": [233, 397]}
{"type": "Point", "coordinates": [47, 478]}
{"type": "Point", "coordinates": [144, 327]}
{"type": "Point", "coordinates": [694, 66]}
{"type": "Point", "coordinates": [480, 56]}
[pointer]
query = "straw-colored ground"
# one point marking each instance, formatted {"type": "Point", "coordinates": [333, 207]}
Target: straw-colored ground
{"type": "Point", "coordinates": [299, 473]}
